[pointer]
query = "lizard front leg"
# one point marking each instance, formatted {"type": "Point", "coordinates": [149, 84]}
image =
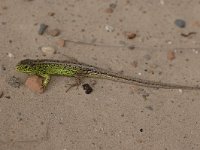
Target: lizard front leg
{"type": "Point", "coordinates": [45, 80]}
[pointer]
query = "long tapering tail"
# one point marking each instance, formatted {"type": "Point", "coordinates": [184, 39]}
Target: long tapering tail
{"type": "Point", "coordinates": [140, 82]}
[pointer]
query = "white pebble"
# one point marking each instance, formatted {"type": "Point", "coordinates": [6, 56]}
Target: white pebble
{"type": "Point", "coordinates": [169, 42]}
{"type": "Point", "coordinates": [162, 2]}
{"type": "Point", "coordinates": [180, 90]}
{"type": "Point", "coordinates": [109, 28]}
{"type": "Point", "coordinates": [139, 73]}
{"type": "Point", "coordinates": [195, 51]}
{"type": "Point", "coordinates": [10, 55]}
{"type": "Point", "coordinates": [48, 50]}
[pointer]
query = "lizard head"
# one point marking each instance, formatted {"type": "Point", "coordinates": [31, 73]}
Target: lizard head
{"type": "Point", "coordinates": [25, 66]}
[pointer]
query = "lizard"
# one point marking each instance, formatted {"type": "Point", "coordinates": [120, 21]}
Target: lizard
{"type": "Point", "coordinates": [46, 68]}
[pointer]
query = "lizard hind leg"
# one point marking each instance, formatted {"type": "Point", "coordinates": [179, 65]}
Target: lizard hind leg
{"type": "Point", "coordinates": [78, 81]}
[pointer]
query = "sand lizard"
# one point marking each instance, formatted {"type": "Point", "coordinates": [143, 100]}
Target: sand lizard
{"type": "Point", "coordinates": [47, 67]}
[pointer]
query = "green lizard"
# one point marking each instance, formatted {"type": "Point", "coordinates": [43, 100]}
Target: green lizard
{"type": "Point", "coordinates": [46, 68]}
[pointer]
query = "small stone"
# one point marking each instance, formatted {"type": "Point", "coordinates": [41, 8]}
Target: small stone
{"type": "Point", "coordinates": [130, 35]}
{"type": "Point", "coordinates": [51, 13]}
{"type": "Point", "coordinates": [171, 55]}
{"type": "Point", "coordinates": [149, 107]}
{"type": "Point", "coordinates": [42, 29]}
{"type": "Point", "coordinates": [61, 42]}
{"type": "Point", "coordinates": [109, 10]}
{"type": "Point", "coordinates": [109, 28]}
{"type": "Point", "coordinates": [113, 5]}
{"type": "Point", "coordinates": [1, 94]}
{"type": "Point", "coordinates": [34, 83]}
{"type": "Point", "coordinates": [54, 32]}
{"type": "Point", "coordinates": [10, 55]}
{"type": "Point", "coordinates": [14, 82]}
{"type": "Point", "coordinates": [48, 50]}
{"type": "Point", "coordinates": [180, 90]}
{"type": "Point", "coordinates": [131, 47]}
{"type": "Point", "coordinates": [169, 42]}
{"type": "Point", "coordinates": [2, 68]}
{"type": "Point", "coordinates": [196, 24]}
{"type": "Point", "coordinates": [87, 88]}
{"type": "Point", "coordinates": [162, 2]}
{"type": "Point", "coordinates": [180, 23]}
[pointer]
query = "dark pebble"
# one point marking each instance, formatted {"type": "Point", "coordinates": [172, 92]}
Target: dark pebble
{"type": "Point", "coordinates": [8, 97]}
{"type": "Point", "coordinates": [113, 6]}
{"type": "Point", "coordinates": [1, 94]}
{"type": "Point", "coordinates": [2, 68]}
{"type": "Point", "coordinates": [87, 88]}
{"type": "Point", "coordinates": [131, 47]}
{"type": "Point", "coordinates": [42, 29]}
{"type": "Point", "coordinates": [180, 23]}
{"type": "Point", "coordinates": [149, 107]}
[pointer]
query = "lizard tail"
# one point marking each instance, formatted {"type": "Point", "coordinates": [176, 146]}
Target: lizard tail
{"type": "Point", "coordinates": [140, 82]}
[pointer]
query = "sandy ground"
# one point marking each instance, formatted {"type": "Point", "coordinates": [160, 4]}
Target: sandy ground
{"type": "Point", "coordinates": [115, 115]}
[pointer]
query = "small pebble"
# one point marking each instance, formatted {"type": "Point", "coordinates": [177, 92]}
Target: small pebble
{"type": "Point", "coordinates": [14, 82]}
{"type": "Point", "coordinates": [54, 32]}
{"type": "Point", "coordinates": [131, 47]}
{"type": "Point", "coordinates": [162, 2]}
{"type": "Point", "coordinates": [48, 50]}
{"type": "Point", "coordinates": [34, 83]}
{"type": "Point", "coordinates": [113, 5]}
{"type": "Point", "coordinates": [180, 91]}
{"type": "Point", "coordinates": [1, 94]}
{"type": "Point", "coordinates": [169, 42]}
{"type": "Point", "coordinates": [2, 68]}
{"type": "Point", "coordinates": [10, 55]}
{"type": "Point", "coordinates": [171, 55]}
{"type": "Point", "coordinates": [180, 23]}
{"type": "Point", "coordinates": [195, 51]}
{"type": "Point", "coordinates": [42, 29]}
{"type": "Point", "coordinates": [87, 88]}
{"type": "Point", "coordinates": [149, 107]}
{"type": "Point", "coordinates": [8, 97]}
{"type": "Point", "coordinates": [196, 24]}
{"type": "Point", "coordinates": [109, 10]}
{"type": "Point", "coordinates": [61, 42]}
{"type": "Point", "coordinates": [130, 35]}
{"type": "Point", "coordinates": [51, 13]}
{"type": "Point", "coordinates": [109, 28]}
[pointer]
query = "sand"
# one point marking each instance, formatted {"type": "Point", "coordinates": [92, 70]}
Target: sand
{"type": "Point", "coordinates": [115, 116]}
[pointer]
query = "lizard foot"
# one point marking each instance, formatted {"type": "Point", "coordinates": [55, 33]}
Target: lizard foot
{"type": "Point", "coordinates": [76, 84]}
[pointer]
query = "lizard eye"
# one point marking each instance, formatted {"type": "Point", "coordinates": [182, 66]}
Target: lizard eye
{"type": "Point", "coordinates": [26, 67]}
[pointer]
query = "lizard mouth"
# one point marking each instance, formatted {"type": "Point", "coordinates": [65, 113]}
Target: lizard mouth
{"type": "Point", "coordinates": [21, 68]}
